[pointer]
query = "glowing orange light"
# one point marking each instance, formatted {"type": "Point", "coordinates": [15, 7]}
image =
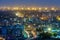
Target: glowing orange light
{"type": "Point", "coordinates": [19, 14]}
{"type": "Point", "coordinates": [8, 8]}
{"type": "Point", "coordinates": [46, 8]}
{"type": "Point", "coordinates": [28, 8]}
{"type": "Point", "coordinates": [15, 8]}
{"type": "Point", "coordinates": [40, 8]}
{"type": "Point", "coordinates": [34, 33]}
{"type": "Point", "coordinates": [22, 8]}
{"type": "Point", "coordinates": [1, 38]}
{"type": "Point", "coordinates": [58, 18]}
{"type": "Point", "coordinates": [34, 9]}
{"type": "Point", "coordinates": [53, 8]}
{"type": "Point", "coordinates": [44, 18]}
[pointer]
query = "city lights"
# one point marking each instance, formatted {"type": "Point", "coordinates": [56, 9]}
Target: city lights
{"type": "Point", "coordinates": [33, 8]}
{"type": "Point", "coordinates": [46, 8]}
{"type": "Point", "coordinates": [29, 22]}
{"type": "Point", "coordinates": [34, 33]}
{"type": "Point", "coordinates": [15, 8]}
{"type": "Point", "coordinates": [22, 8]}
{"type": "Point", "coordinates": [26, 34]}
{"type": "Point", "coordinates": [29, 19]}
{"type": "Point", "coordinates": [19, 14]}
{"type": "Point", "coordinates": [49, 29]}
{"type": "Point", "coordinates": [29, 26]}
{"type": "Point", "coordinates": [53, 8]}
{"type": "Point", "coordinates": [58, 18]}
{"type": "Point", "coordinates": [29, 8]}
{"type": "Point", "coordinates": [40, 8]}
{"type": "Point", "coordinates": [8, 8]}
{"type": "Point", "coordinates": [2, 38]}
{"type": "Point", "coordinates": [43, 18]}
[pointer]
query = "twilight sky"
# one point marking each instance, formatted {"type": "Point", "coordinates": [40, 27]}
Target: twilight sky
{"type": "Point", "coordinates": [30, 3]}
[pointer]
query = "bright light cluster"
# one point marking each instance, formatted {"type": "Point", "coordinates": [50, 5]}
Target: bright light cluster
{"type": "Point", "coordinates": [1, 38]}
{"type": "Point", "coordinates": [58, 18]}
{"type": "Point", "coordinates": [19, 14]}
{"type": "Point", "coordinates": [28, 8]}
{"type": "Point", "coordinates": [49, 29]}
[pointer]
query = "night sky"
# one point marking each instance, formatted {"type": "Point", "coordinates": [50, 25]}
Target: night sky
{"type": "Point", "coordinates": [30, 3]}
